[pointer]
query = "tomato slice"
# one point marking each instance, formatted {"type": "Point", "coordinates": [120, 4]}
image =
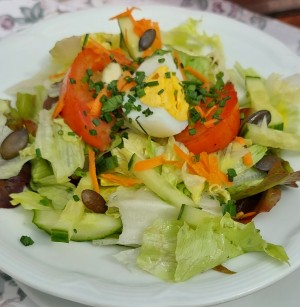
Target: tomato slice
{"type": "Point", "coordinates": [210, 138]}
{"type": "Point", "coordinates": [78, 95]}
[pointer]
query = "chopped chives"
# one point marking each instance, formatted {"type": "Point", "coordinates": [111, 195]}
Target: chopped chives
{"type": "Point", "coordinates": [26, 240]}
{"type": "Point", "coordinates": [231, 173]}
{"type": "Point", "coordinates": [72, 80]}
{"type": "Point", "coordinates": [192, 131]}
{"type": "Point", "coordinates": [128, 79]}
{"type": "Point", "coordinates": [92, 132]}
{"type": "Point", "coordinates": [96, 122]}
{"type": "Point", "coordinates": [140, 92]}
{"type": "Point", "coordinates": [38, 153]}
{"type": "Point", "coordinates": [85, 40]}
{"type": "Point", "coordinates": [76, 197]}
{"type": "Point", "coordinates": [152, 83]}
{"type": "Point", "coordinates": [217, 114]}
{"type": "Point", "coordinates": [89, 72]}
{"type": "Point", "coordinates": [162, 60]}
{"type": "Point", "coordinates": [147, 112]}
{"type": "Point", "coordinates": [168, 75]}
{"type": "Point", "coordinates": [71, 133]}
{"type": "Point", "coordinates": [160, 91]}
{"type": "Point", "coordinates": [211, 104]}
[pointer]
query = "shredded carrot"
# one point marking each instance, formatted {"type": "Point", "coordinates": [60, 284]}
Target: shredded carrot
{"type": "Point", "coordinates": [108, 55]}
{"type": "Point", "coordinates": [92, 170]}
{"type": "Point", "coordinates": [210, 123]}
{"type": "Point", "coordinates": [149, 163]}
{"type": "Point", "coordinates": [59, 105]}
{"type": "Point", "coordinates": [96, 105]}
{"type": "Point", "coordinates": [198, 75]}
{"type": "Point", "coordinates": [206, 165]}
{"type": "Point", "coordinates": [123, 85]}
{"type": "Point", "coordinates": [240, 140]}
{"type": "Point", "coordinates": [200, 111]}
{"type": "Point", "coordinates": [247, 159]}
{"type": "Point", "coordinates": [210, 111]}
{"type": "Point", "coordinates": [127, 13]}
{"type": "Point", "coordinates": [179, 64]}
{"type": "Point", "coordinates": [139, 28]}
{"type": "Point", "coordinates": [180, 153]}
{"type": "Point", "coordinates": [121, 179]}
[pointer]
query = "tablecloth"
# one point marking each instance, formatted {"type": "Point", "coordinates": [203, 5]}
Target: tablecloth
{"type": "Point", "coordinates": [16, 15]}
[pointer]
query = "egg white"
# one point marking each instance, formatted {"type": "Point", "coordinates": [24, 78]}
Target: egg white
{"type": "Point", "coordinates": [160, 123]}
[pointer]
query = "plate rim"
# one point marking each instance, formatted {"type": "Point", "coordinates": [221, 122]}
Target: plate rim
{"type": "Point", "coordinates": [63, 17]}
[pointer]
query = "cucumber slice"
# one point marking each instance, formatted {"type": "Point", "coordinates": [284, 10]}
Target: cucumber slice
{"type": "Point", "coordinates": [71, 214]}
{"type": "Point", "coordinates": [129, 38]}
{"type": "Point", "coordinates": [69, 218]}
{"type": "Point", "coordinates": [92, 226]}
{"type": "Point", "coordinates": [194, 216]}
{"type": "Point", "coordinates": [260, 100]}
{"type": "Point", "coordinates": [155, 182]}
{"type": "Point", "coordinates": [268, 137]}
{"type": "Point", "coordinates": [45, 220]}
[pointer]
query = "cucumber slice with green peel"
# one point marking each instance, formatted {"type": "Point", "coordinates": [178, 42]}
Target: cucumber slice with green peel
{"type": "Point", "coordinates": [194, 216]}
{"type": "Point", "coordinates": [155, 182]}
{"type": "Point", "coordinates": [268, 137]}
{"type": "Point", "coordinates": [92, 226]}
{"type": "Point", "coordinates": [260, 100]}
{"type": "Point", "coordinates": [45, 220]}
{"type": "Point", "coordinates": [129, 38]}
{"type": "Point", "coordinates": [95, 226]}
{"type": "Point", "coordinates": [62, 230]}
{"type": "Point", "coordinates": [71, 215]}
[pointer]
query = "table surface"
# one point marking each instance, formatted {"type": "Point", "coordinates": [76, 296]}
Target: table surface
{"type": "Point", "coordinates": [287, 11]}
{"type": "Point", "coordinates": [16, 15]}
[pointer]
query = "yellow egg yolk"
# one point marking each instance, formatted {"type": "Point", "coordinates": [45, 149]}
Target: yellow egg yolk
{"type": "Point", "coordinates": [168, 94]}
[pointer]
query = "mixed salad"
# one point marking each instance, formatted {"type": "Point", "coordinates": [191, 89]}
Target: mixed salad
{"type": "Point", "coordinates": [146, 139]}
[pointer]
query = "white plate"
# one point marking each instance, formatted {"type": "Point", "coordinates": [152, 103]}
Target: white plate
{"type": "Point", "coordinates": [88, 274]}
{"type": "Point", "coordinates": [283, 293]}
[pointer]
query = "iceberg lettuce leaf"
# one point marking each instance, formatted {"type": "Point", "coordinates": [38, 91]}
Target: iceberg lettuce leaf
{"type": "Point", "coordinates": [58, 144]}
{"type": "Point", "coordinates": [187, 38]}
{"type": "Point", "coordinates": [176, 252]}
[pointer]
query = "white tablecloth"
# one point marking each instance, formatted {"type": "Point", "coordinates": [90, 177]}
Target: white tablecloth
{"type": "Point", "coordinates": [16, 15]}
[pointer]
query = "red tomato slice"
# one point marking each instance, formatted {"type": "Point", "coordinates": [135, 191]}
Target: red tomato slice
{"type": "Point", "coordinates": [76, 111]}
{"type": "Point", "coordinates": [216, 137]}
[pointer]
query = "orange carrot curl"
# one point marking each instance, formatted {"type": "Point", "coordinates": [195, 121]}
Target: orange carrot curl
{"type": "Point", "coordinates": [198, 75]}
{"type": "Point", "coordinates": [121, 179]}
{"type": "Point", "coordinates": [92, 170]}
{"type": "Point", "coordinates": [59, 106]}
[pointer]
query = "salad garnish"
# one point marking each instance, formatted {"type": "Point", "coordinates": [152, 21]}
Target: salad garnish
{"type": "Point", "coordinates": [146, 139]}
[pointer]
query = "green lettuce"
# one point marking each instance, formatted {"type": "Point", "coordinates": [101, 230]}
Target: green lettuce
{"type": "Point", "coordinates": [188, 39]}
{"type": "Point", "coordinates": [30, 200]}
{"type": "Point", "coordinates": [175, 251]}
{"type": "Point", "coordinates": [253, 181]}
{"type": "Point", "coordinates": [284, 95]}
{"type": "Point", "coordinates": [58, 144]}
{"type": "Point", "coordinates": [138, 209]}
{"type": "Point", "coordinates": [136, 145]}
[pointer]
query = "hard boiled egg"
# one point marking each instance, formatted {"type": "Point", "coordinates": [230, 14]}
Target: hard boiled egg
{"type": "Point", "coordinates": [163, 110]}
